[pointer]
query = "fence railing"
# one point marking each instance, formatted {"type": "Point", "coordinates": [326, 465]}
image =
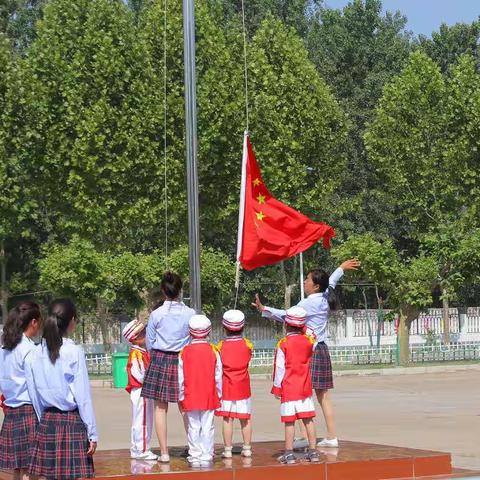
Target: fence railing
{"type": "Point", "coordinates": [101, 364]}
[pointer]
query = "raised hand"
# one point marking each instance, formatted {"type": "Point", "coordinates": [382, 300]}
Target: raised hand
{"type": "Point", "coordinates": [351, 264]}
{"type": "Point", "coordinates": [258, 304]}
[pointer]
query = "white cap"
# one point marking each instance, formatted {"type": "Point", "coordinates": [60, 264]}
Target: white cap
{"type": "Point", "coordinates": [296, 317]}
{"type": "Point", "coordinates": [199, 326]}
{"type": "Point", "coordinates": [132, 330]}
{"type": "Point", "coordinates": [233, 320]}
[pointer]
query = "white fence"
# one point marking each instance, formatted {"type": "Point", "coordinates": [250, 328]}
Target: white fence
{"type": "Point", "coordinates": [101, 364]}
{"type": "Point", "coordinates": [359, 327]}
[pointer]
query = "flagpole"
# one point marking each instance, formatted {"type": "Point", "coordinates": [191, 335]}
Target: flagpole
{"type": "Point", "coordinates": [191, 154]}
{"type": "Point", "coordinates": [302, 291]}
{"type": "Point", "coordinates": [241, 208]}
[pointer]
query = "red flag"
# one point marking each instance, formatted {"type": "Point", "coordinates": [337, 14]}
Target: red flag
{"type": "Point", "coordinates": [269, 230]}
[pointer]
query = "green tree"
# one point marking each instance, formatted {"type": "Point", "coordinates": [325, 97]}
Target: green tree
{"type": "Point", "coordinates": [98, 279]}
{"type": "Point", "coordinates": [17, 21]}
{"type": "Point", "coordinates": [408, 281]}
{"type": "Point", "coordinates": [98, 126]}
{"type": "Point", "coordinates": [357, 50]}
{"type": "Point", "coordinates": [292, 13]}
{"type": "Point", "coordinates": [217, 276]}
{"type": "Point", "coordinates": [447, 45]}
{"type": "Point", "coordinates": [424, 143]}
{"type": "Point", "coordinates": [403, 143]}
{"type": "Point", "coordinates": [297, 127]}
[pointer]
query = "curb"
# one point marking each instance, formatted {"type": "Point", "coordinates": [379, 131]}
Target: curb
{"type": "Point", "coordinates": [351, 373]}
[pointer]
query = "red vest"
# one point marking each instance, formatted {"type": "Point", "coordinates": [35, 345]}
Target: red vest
{"type": "Point", "coordinates": [235, 354]}
{"type": "Point", "coordinates": [141, 356]}
{"type": "Point", "coordinates": [297, 382]}
{"type": "Point", "coordinates": [199, 362]}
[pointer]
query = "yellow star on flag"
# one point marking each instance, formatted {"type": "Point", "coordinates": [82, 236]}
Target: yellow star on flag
{"type": "Point", "coordinates": [261, 199]}
{"type": "Point", "coordinates": [256, 182]}
{"type": "Point", "coordinates": [260, 216]}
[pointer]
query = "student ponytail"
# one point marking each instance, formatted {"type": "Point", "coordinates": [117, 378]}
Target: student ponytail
{"type": "Point", "coordinates": [60, 314]}
{"type": "Point", "coordinates": [18, 320]}
{"type": "Point", "coordinates": [171, 285]}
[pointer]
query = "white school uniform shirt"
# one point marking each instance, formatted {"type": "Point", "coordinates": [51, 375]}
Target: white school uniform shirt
{"type": "Point", "coordinates": [63, 385]}
{"type": "Point", "coordinates": [167, 327]}
{"type": "Point", "coordinates": [316, 306]}
{"type": "Point", "coordinates": [13, 384]}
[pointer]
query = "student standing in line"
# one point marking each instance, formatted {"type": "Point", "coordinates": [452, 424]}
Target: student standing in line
{"type": "Point", "coordinates": [20, 422]}
{"type": "Point", "coordinates": [200, 382]}
{"type": "Point", "coordinates": [292, 383]}
{"type": "Point", "coordinates": [142, 408]}
{"type": "Point", "coordinates": [167, 335]}
{"type": "Point", "coordinates": [317, 287]}
{"type": "Point", "coordinates": [57, 381]}
{"type": "Point", "coordinates": [235, 353]}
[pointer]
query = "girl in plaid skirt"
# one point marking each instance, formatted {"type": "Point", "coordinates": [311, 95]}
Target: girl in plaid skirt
{"type": "Point", "coordinates": [167, 335]}
{"type": "Point", "coordinates": [317, 287]}
{"type": "Point", "coordinates": [20, 422]}
{"type": "Point", "coordinates": [57, 381]}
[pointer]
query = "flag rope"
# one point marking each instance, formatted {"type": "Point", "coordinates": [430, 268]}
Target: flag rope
{"type": "Point", "coordinates": [245, 64]}
{"type": "Point", "coordinates": [165, 111]}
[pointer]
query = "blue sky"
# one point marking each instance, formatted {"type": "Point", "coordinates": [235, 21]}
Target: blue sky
{"type": "Point", "coordinates": [425, 16]}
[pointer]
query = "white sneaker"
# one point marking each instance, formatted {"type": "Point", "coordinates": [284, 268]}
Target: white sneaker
{"type": "Point", "coordinates": [328, 442]}
{"type": "Point", "coordinates": [164, 458]}
{"type": "Point", "coordinates": [193, 461]}
{"type": "Point", "coordinates": [246, 451]}
{"type": "Point", "coordinates": [227, 452]}
{"type": "Point", "coordinates": [145, 456]}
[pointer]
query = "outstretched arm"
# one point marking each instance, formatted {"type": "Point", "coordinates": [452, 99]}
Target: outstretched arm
{"type": "Point", "coordinates": [269, 312]}
{"type": "Point", "coordinates": [351, 264]}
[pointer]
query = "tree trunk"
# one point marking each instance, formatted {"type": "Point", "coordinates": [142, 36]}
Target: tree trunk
{"type": "Point", "coordinates": [407, 315]}
{"type": "Point", "coordinates": [3, 283]}
{"type": "Point", "coordinates": [102, 314]}
{"type": "Point", "coordinates": [445, 319]}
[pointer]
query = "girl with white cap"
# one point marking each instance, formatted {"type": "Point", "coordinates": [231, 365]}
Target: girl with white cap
{"type": "Point", "coordinates": [235, 353]}
{"type": "Point", "coordinates": [142, 408]}
{"type": "Point", "coordinates": [200, 390]}
{"type": "Point", "coordinates": [292, 383]}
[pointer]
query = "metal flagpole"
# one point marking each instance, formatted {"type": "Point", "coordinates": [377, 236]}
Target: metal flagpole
{"type": "Point", "coordinates": [191, 144]}
{"type": "Point", "coordinates": [302, 292]}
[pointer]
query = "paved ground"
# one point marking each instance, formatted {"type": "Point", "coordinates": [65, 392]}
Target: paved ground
{"type": "Point", "coordinates": [438, 411]}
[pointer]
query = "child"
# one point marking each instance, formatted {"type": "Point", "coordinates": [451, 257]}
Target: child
{"type": "Point", "coordinates": [293, 384]}
{"type": "Point", "coordinates": [317, 288]}
{"type": "Point", "coordinates": [235, 354]}
{"type": "Point", "coordinates": [142, 408]}
{"type": "Point", "coordinates": [167, 334]}
{"type": "Point", "coordinates": [20, 422]}
{"type": "Point", "coordinates": [57, 381]}
{"type": "Point", "coordinates": [200, 383]}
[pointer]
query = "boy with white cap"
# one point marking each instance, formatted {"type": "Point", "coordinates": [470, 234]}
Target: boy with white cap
{"type": "Point", "coordinates": [235, 353]}
{"type": "Point", "coordinates": [142, 408]}
{"type": "Point", "coordinates": [200, 383]}
{"type": "Point", "coordinates": [292, 383]}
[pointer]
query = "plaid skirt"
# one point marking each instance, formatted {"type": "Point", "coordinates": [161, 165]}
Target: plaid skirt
{"type": "Point", "coordinates": [321, 368]}
{"type": "Point", "coordinates": [161, 379]}
{"type": "Point", "coordinates": [17, 437]}
{"type": "Point", "coordinates": [60, 451]}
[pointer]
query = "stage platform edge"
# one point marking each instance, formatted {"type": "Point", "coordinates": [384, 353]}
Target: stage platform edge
{"type": "Point", "coordinates": [351, 461]}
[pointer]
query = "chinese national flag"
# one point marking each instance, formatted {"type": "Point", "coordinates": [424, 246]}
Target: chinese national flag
{"type": "Point", "coordinates": [269, 230]}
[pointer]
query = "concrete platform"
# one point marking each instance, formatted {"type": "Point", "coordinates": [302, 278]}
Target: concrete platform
{"type": "Point", "coordinates": [352, 460]}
